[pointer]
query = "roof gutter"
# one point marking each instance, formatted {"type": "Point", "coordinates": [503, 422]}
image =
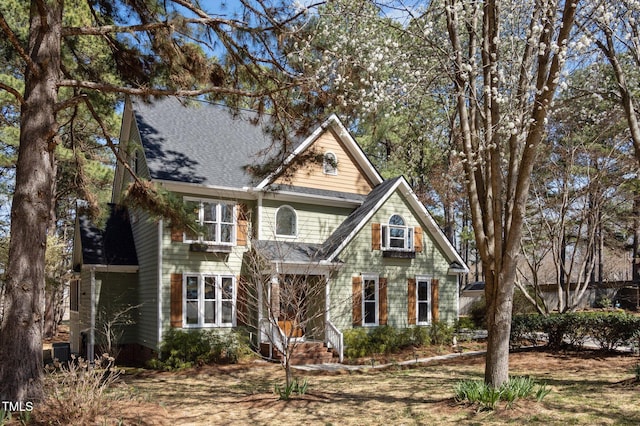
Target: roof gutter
{"type": "Point", "coordinates": [127, 269]}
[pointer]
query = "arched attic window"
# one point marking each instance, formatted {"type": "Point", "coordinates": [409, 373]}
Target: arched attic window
{"type": "Point", "coordinates": [397, 235]}
{"type": "Point", "coordinates": [286, 222]}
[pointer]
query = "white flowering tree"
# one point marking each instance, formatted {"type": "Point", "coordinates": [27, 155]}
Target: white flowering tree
{"type": "Point", "coordinates": [503, 60]}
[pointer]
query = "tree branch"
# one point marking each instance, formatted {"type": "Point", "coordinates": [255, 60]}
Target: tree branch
{"type": "Point", "coordinates": [16, 44]}
{"type": "Point", "coordinates": [146, 91]}
{"type": "Point", "coordinates": [13, 91]}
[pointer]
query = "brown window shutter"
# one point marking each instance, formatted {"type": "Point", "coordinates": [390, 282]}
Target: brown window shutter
{"type": "Point", "coordinates": [176, 300]}
{"type": "Point", "coordinates": [243, 224]}
{"type": "Point", "coordinates": [375, 236]}
{"type": "Point", "coordinates": [176, 235]}
{"type": "Point", "coordinates": [242, 293]}
{"type": "Point", "coordinates": [411, 301]}
{"type": "Point", "coordinates": [417, 239]}
{"type": "Point", "coordinates": [383, 306]}
{"type": "Point", "coordinates": [435, 311]}
{"type": "Point", "coordinates": [357, 300]}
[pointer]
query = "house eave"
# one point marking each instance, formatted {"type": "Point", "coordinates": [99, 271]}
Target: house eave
{"type": "Point", "coordinates": [206, 190]}
{"type": "Point", "coordinates": [308, 268]}
{"type": "Point", "coordinates": [321, 200]}
{"type": "Point", "coordinates": [127, 269]}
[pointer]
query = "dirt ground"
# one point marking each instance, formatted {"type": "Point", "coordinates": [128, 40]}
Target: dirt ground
{"type": "Point", "coordinates": [586, 387]}
{"type": "Point", "coordinates": [415, 394]}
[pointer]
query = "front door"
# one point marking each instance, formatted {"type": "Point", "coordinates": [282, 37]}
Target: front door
{"type": "Point", "coordinates": [292, 317]}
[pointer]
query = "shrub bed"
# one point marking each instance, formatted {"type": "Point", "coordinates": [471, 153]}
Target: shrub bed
{"type": "Point", "coordinates": [384, 340]}
{"type": "Point", "coordinates": [185, 349]}
{"type": "Point", "coordinates": [609, 330]}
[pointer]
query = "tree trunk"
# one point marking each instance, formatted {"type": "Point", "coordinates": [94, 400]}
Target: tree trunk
{"type": "Point", "coordinates": [635, 265]}
{"type": "Point", "coordinates": [21, 330]}
{"type": "Point", "coordinates": [499, 295]}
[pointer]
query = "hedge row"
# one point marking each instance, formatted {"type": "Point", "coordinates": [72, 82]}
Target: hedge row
{"type": "Point", "coordinates": [362, 342]}
{"type": "Point", "coordinates": [609, 330]}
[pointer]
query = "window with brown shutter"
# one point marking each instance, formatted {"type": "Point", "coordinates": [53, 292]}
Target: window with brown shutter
{"type": "Point", "coordinates": [176, 300]}
{"type": "Point", "coordinates": [375, 236]}
{"type": "Point", "coordinates": [382, 291]}
{"type": "Point", "coordinates": [411, 301]}
{"type": "Point", "coordinates": [435, 311]}
{"type": "Point", "coordinates": [357, 301]}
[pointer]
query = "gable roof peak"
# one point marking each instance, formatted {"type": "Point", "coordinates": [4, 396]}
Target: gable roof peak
{"type": "Point", "coordinates": [345, 138]}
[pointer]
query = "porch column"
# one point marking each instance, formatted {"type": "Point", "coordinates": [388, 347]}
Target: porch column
{"type": "Point", "coordinates": [274, 299]}
{"type": "Point", "coordinates": [327, 299]}
{"type": "Point", "coordinates": [92, 318]}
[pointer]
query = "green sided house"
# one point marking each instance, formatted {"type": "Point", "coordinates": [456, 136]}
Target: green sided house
{"type": "Point", "coordinates": [358, 250]}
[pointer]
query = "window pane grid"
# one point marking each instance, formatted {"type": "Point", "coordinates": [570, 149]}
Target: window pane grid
{"type": "Point", "coordinates": [209, 300]}
{"type": "Point", "coordinates": [216, 220]}
{"type": "Point", "coordinates": [369, 301]}
{"type": "Point", "coordinates": [396, 237]}
{"type": "Point", "coordinates": [423, 301]}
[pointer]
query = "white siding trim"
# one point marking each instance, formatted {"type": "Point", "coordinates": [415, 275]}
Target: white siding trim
{"type": "Point", "coordinates": [160, 325]}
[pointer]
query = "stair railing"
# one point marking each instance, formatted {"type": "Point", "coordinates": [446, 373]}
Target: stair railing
{"type": "Point", "coordinates": [334, 338]}
{"type": "Point", "coordinates": [271, 333]}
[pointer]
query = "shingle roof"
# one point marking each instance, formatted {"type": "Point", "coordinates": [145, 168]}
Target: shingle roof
{"type": "Point", "coordinates": [114, 245]}
{"type": "Point", "coordinates": [288, 251]}
{"type": "Point", "coordinates": [200, 142]}
{"type": "Point", "coordinates": [356, 217]}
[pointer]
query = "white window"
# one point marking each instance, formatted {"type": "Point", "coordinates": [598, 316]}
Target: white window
{"type": "Point", "coordinates": [423, 300]}
{"type": "Point", "coordinates": [286, 222]}
{"type": "Point", "coordinates": [396, 235]}
{"type": "Point", "coordinates": [209, 300]}
{"type": "Point", "coordinates": [330, 164]}
{"type": "Point", "coordinates": [370, 299]}
{"type": "Point", "coordinates": [216, 221]}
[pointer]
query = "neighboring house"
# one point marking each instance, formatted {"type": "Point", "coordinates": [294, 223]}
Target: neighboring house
{"type": "Point", "coordinates": [370, 242]}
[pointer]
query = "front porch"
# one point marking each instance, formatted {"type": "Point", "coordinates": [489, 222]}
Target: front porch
{"type": "Point", "coordinates": [294, 321]}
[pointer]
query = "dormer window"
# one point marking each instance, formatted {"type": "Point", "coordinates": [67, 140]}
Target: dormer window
{"type": "Point", "coordinates": [330, 164]}
{"type": "Point", "coordinates": [396, 235]}
{"type": "Point", "coordinates": [286, 222]}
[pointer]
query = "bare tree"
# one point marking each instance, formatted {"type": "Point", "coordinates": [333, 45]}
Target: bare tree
{"type": "Point", "coordinates": [285, 303]}
{"type": "Point", "coordinates": [111, 324]}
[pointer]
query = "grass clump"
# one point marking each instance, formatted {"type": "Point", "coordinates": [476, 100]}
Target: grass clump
{"type": "Point", "coordinates": [477, 392]}
{"type": "Point", "coordinates": [284, 392]}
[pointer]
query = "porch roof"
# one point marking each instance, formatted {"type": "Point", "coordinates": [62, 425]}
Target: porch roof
{"type": "Point", "coordinates": [289, 251]}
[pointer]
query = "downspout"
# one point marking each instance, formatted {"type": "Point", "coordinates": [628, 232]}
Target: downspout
{"type": "Point", "coordinates": [92, 318]}
{"type": "Point", "coordinates": [160, 317]}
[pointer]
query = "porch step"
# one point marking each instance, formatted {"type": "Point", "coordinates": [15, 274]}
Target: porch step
{"type": "Point", "coordinates": [306, 353]}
